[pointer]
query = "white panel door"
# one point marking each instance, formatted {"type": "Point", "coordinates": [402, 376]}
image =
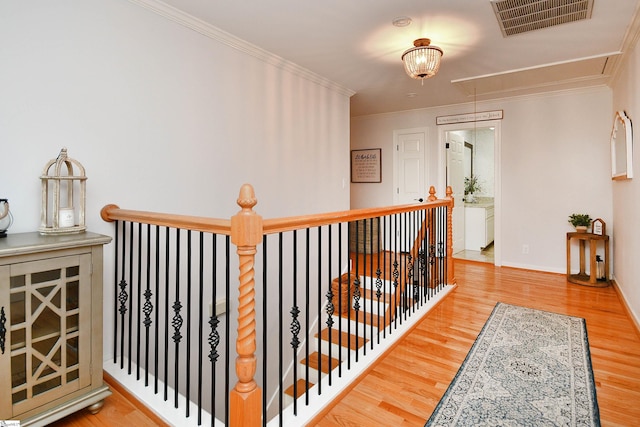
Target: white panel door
{"type": "Point", "coordinates": [455, 179]}
{"type": "Point", "coordinates": [410, 168]}
{"type": "Point", "coordinates": [410, 182]}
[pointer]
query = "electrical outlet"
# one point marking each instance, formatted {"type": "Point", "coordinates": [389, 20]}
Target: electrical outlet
{"type": "Point", "coordinates": [525, 249]}
{"type": "Point", "coordinates": [221, 307]}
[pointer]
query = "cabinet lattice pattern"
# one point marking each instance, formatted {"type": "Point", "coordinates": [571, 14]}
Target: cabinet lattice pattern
{"type": "Point", "coordinates": [47, 338]}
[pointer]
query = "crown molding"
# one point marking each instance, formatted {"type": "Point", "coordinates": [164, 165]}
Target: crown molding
{"type": "Point", "coordinates": [188, 21]}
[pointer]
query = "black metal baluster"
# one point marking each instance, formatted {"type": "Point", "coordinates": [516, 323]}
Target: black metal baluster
{"type": "Point", "coordinates": [369, 280]}
{"type": "Point", "coordinates": [307, 291]}
{"type": "Point", "coordinates": [319, 287]}
{"type": "Point", "coordinates": [356, 292]}
{"type": "Point", "coordinates": [214, 335]}
{"type": "Point", "coordinates": [396, 275]}
{"type": "Point", "coordinates": [147, 308]}
{"type": "Point", "coordinates": [115, 293]}
{"type": "Point", "coordinates": [131, 289]}
{"type": "Point", "coordinates": [295, 324]}
{"type": "Point", "coordinates": [201, 321]}
{"type": "Point", "coordinates": [157, 312]}
{"type": "Point", "coordinates": [188, 331]}
{"type": "Point", "coordinates": [122, 296]}
{"type": "Point", "coordinates": [363, 293]}
{"type": "Point", "coordinates": [176, 322]}
{"type": "Point", "coordinates": [280, 328]}
{"type": "Point", "coordinates": [139, 301]}
{"type": "Point", "coordinates": [166, 314]}
{"type": "Point", "coordinates": [330, 306]}
{"type": "Point", "coordinates": [378, 296]}
{"type": "Point", "coordinates": [228, 326]}
{"type": "Point", "coordinates": [340, 302]}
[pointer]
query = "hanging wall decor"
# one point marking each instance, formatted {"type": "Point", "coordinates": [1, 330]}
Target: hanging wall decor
{"type": "Point", "coordinates": [63, 196]}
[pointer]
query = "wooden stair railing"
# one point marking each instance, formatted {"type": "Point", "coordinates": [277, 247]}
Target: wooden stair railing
{"type": "Point", "coordinates": [246, 230]}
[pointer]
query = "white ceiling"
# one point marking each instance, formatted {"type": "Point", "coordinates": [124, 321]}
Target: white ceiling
{"type": "Point", "coordinates": [354, 44]}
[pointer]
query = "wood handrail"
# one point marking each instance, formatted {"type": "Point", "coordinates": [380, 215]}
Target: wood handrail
{"type": "Point", "coordinates": [112, 213]}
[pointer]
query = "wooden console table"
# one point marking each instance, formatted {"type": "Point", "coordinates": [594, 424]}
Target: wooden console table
{"type": "Point", "coordinates": [582, 278]}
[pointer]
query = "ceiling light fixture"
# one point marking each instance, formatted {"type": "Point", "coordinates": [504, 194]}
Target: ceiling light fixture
{"type": "Point", "coordinates": [423, 60]}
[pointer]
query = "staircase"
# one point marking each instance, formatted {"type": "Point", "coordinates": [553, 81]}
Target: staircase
{"type": "Point", "coordinates": [341, 341]}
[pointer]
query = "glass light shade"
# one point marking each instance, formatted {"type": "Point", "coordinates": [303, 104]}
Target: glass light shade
{"type": "Point", "coordinates": [423, 60]}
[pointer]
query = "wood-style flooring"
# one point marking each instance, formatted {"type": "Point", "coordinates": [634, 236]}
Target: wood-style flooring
{"type": "Point", "coordinates": [403, 388]}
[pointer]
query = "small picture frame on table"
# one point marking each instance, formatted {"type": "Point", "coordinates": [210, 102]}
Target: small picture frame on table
{"type": "Point", "coordinates": [598, 227]}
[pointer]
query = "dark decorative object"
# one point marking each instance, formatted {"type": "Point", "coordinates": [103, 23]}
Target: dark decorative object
{"type": "Point", "coordinates": [6, 219]}
{"type": "Point", "coordinates": [3, 329]}
{"type": "Point", "coordinates": [177, 322]}
{"type": "Point", "coordinates": [214, 339]}
{"type": "Point", "coordinates": [295, 327]}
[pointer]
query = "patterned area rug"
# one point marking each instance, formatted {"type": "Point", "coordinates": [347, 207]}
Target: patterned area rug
{"type": "Point", "coordinates": [527, 368]}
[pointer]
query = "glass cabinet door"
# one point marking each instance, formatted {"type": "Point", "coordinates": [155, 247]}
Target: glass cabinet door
{"type": "Point", "coordinates": [48, 327]}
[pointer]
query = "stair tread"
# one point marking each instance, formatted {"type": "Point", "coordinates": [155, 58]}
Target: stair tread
{"type": "Point", "coordinates": [314, 362]}
{"type": "Point", "coordinates": [301, 388]}
{"type": "Point", "coordinates": [335, 334]}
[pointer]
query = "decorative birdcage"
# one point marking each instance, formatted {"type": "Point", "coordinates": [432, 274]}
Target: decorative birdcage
{"type": "Point", "coordinates": [63, 196]}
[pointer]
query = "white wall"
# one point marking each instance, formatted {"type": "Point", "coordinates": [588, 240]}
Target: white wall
{"type": "Point", "coordinates": [626, 194]}
{"type": "Point", "coordinates": [162, 117]}
{"type": "Point", "coordinates": [554, 161]}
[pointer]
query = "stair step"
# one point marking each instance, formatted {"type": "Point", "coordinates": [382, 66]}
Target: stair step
{"type": "Point", "coordinates": [314, 362]}
{"type": "Point", "coordinates": [301, 388]}
{"type": "Point", "coordinates": [335, 335]}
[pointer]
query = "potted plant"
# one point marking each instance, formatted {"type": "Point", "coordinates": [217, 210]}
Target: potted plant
{"type": "Point", "coordinates": [580, 221]}
{"type": "Point", "coordinates": [471, 186]}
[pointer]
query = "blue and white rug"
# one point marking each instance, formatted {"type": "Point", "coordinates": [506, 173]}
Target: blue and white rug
{"type": "Point", "coordinates": [527, 368]}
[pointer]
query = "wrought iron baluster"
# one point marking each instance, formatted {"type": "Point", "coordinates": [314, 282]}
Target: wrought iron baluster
{"type": "Point", "coordinates": [176, 322]}
{"type": "Point", "coordinates": [147, 308]}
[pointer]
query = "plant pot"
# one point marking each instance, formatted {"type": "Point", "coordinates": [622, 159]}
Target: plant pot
{"type": "Point", "coordinates": [581, 228]}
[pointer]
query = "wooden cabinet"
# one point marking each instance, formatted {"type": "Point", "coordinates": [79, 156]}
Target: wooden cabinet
{"type": "Point", "coordinates": [478, 226]}
{"type": "Point", "coordinates": [50, 326]}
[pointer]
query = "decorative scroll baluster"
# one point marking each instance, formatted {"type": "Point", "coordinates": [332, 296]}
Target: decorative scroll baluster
{"type": "Point", "coordinates": [330, 310]}
{"type": "Point", "coordinates": [214, 338]}
{"type": "Point", "coordinates": [409, 283]}
{"type": "Point", "coordinates": [147, 308]}
{"type": "Point", "coordinates": [176, 322]}
{"type": "Point", "coordinates": [378, 295]}
{"type": "Point", "coordinates": [246, 234]}
{"type": "Point", "coordinates": [396, 275]}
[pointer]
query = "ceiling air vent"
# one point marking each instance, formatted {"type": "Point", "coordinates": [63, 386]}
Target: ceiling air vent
{"type": "Point", "coordinates": [520, 16]}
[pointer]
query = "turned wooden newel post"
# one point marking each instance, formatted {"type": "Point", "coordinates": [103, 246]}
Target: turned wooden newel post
{"type": "Point", "coordinates": [451, 279]}
{"type": "Point", "coordinates": [432, 194]}
{"type": "Point", "coordinates": [246, 234]}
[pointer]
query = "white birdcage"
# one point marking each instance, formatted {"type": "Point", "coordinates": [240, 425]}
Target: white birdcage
{"type": "Point", "coordinates": [63, 196]}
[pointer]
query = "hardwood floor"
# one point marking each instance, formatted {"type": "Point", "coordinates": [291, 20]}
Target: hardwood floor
{"type": "Point", "coordinates": [406, 384]}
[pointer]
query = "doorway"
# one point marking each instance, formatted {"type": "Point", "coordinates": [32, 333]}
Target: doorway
{"type": "Point", "coordinates": [471, 153]}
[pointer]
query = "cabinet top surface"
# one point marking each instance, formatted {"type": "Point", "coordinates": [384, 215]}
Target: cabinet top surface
{"type": "Point", "coordinates": [19, 243]}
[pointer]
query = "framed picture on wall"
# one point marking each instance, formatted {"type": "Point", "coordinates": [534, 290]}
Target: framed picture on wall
{"type": "Point", "coordinates": [366, 165]}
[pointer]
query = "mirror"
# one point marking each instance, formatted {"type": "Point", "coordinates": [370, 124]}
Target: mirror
{"type": "Point", "coordinates": [621, 147]}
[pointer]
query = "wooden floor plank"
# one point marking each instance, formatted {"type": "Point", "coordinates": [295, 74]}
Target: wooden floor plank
{"type": "Point", "coordinates": [421, 367]}
{"type": "Point", "coordinates": [406, 384]}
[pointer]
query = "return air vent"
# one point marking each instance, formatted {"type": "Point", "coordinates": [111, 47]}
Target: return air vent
{"type": "Point", "coordinates": [520, 16]}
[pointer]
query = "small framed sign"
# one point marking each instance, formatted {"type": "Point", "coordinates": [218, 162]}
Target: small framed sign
{"type": "Point", "coordinates": [366, 165]}
{"type": "Point", "coordinates": [599, 227]}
